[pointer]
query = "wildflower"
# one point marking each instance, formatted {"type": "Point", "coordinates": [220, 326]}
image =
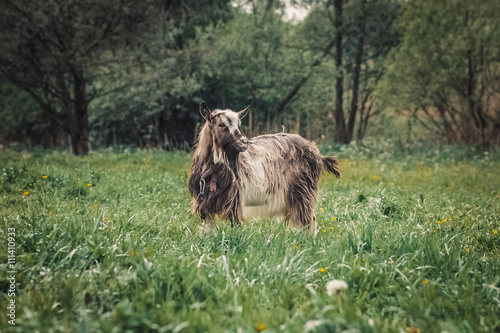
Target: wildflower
{"type": "Point", "coordinates": [427, 222]}
{"type": "Point", "coordinates": [321, 209]}
{"type": "Point", "coordinates": [261, 327]}
{"type": "Point", "coordinates": [334, 218]}
{"type": "Point", "coordinates": [20, 190]}
{"type": "Point", "coordinates": [467, 250]}
{"type": "Point", "coordinates": [73, 205]}
{"type": "Point", "coordinates": [447, 188]}
{"type": "Point", "coordinates": [50, 213]}
{"type": "Point", "coordinates": [473, 218]}
{"type": "Point", "coordinates": [95, 205]}
{"type": "Point", "coordinates": [105, 219]}
{"type": "Point", "coordinates": [352, 221]}
{"type": "Point", "coordinates": [31, 184]}
{"type": "Point", "coordinates": [374, 177]}
{"type": "Point", "coordinates": [133, 253]}
{"type": "Point", "coordinates": [331, 228]}
{"type": "Point", "coordinates": [296, 247]}
{"type": "Point", "coordinates": [27, 193]}
{"type": "Point", "coordinates": [89, 184]}
{"type": "Point", "coordinates": [425, 281]}
{"type": "Point", "coordinates": [272, 226]}
{"type": "Point", "coordinates": [45, 177]}
{"type": "Point", "coordinates": [478, 236]}
{"type": "Point", "coordinates": [324, 230]}
{"type": "Point", "coordinates": [439, 222]}
{"type": "Point", "coordinates": [335, 287]}
{"type": "Point", "coordinates": [435, 231]}
{"type": "Point", "coordinates": [495, 232]}
{"type": "Point", "coordinates": [322, 270]}
{"type": "Point", "coordinates": [444, 220]}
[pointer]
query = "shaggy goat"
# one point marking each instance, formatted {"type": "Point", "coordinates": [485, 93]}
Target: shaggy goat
{"type": "Point", "coordinates": [234, 177]}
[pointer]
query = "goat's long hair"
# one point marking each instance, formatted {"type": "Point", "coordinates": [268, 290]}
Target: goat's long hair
{"type": "Point", "coordinates": [269, 175]}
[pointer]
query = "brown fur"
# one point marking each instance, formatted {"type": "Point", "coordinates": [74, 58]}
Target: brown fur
{"type": "Point", "coordinates": [279, 171]}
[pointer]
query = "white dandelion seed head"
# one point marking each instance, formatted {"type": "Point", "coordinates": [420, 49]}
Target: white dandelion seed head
{"type": "Point", "coordinates": [334, 287]}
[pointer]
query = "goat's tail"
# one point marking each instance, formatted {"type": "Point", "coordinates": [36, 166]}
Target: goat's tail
{"type": "Point", "coordinates": [331, 165]}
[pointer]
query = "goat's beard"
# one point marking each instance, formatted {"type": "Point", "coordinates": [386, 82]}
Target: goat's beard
{"type": "Point", "coordinates": [232, 154]}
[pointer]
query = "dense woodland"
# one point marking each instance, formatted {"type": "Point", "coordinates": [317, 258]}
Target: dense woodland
{"type": "Point", "coordinates": [83, 74]}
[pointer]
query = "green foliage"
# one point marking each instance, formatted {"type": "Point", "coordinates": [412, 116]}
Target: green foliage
{"type": "Point", "coordinates": [445, 72]}
{"type": "Point", "coordinates": [126, 254]}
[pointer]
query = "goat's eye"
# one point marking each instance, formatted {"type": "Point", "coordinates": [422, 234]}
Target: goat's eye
{"type": "Point", "coordinates": [222, 125]}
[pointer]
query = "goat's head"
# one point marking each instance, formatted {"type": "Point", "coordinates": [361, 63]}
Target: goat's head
{"type": "Point", "coordinates": [224, 126]}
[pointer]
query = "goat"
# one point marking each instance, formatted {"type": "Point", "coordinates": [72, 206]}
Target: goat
{"type": "Point", "coordinates": [234, 177]}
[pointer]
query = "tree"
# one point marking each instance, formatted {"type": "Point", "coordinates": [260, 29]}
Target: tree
{"type": "Point", "coordinates": [446, 72]}
{"type": "Point", "coordinates": [55, 48]}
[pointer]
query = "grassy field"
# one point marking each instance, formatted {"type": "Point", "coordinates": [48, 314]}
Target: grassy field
{"type": "Point", "coordinates": [107, 243]}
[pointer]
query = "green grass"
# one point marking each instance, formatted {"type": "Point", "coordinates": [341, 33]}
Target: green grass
{"type": "Point", "coordinates": [125, 254]}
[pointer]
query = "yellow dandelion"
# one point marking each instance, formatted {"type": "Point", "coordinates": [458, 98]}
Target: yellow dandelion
{"type": "Point", "coordinates": [478, 235]}
{"type": "Point", "coordinates": [439, 222]}
{"type": "Point", "coordinates": [352, 221]}
{"type": "Point", "coordinates": [495, 232]}
{"type": "Point", "coordinates": [31, 184]}
{"type": "Point", "coordinates": [261, 327]}
{"type": "Point", "coordinates": [50, 213]}
{"type": "Point", "coordinates": [20, 190]}
{"type": "Point", "coordinates": [321, 209]}
{"type": "Point", "coordinates": [322, 270]}
{"type": "Point", "coordinates": [467, 250]}
{"type": "Point", "coordinates": [473, 218]}
{"type": "Point", "coordinates": [105, 219]}
{"type": "Point", "coordinates": [414, 330]}
{"type": "Point", "coordinates": [324, 230]}
{"type": "Point", "coordinates": [427, 222]}
{"type": "Point", "coordinates": [449, 217]}
{"type": "Point", "coordinates": [73, 205]}
{"type": "Point", "coordinates": [374, 177]}
{"type": "Point", "coordinates": [45, 177]}
{"type": "Point", "coordinates": [26, 193]}
{"type": "Point", "coordinates": [425, 281]}
{"type": "Point", "coordinates": [334, 218]}
{"type": "Point", "coordinates": [95, 205]}
{"type": "Point", "coordinates": [296, 247]}
{"type": "Point", "coordinates": [272, 226]}
{"type": "Point", "coordinates": [435, 230]}
{"type": "Point", "coordinates": [331, 228]}
{"type": "Point", "coordinates": [444, 220]}
{"type": "Point", "coordinates": [89, 184]}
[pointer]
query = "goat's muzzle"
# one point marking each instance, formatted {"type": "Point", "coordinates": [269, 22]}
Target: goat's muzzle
{"type": "Point", "coordinates": [241, 145]}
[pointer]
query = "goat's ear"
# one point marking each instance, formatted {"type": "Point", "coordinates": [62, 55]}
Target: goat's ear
{"type": "Point", "coordinates": [205, 112]}
{"type": "Point", "coordinates": [243, 113]}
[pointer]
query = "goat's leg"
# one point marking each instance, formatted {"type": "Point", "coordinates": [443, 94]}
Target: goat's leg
{"type": "Point", "coordinates": [300, 210]}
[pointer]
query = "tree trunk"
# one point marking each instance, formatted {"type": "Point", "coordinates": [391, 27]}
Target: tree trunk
{"type": "Point", "coordinates": [357, 74]}
{"type": "Point", "coordinates": [79, 122]}
{"type": "Point", "coordinates": [340, 130]}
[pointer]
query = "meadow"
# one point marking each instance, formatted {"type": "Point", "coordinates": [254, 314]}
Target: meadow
{"type": "Point", "coordinates": [107, 243]}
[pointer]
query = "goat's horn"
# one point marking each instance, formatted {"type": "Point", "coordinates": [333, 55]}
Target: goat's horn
{"type": "Point", "coordinates": [242, 114]}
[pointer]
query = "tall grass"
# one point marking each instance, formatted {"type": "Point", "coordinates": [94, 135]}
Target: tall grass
{"type": "Point", "coordinates": [108, 243]}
